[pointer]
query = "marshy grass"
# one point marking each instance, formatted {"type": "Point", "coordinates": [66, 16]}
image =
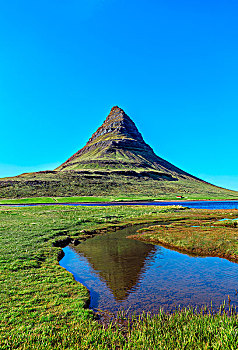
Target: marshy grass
{"type": "Point", "coordinates": [42, 307]}
{"type": "Point", "coordinates": [203, 233]}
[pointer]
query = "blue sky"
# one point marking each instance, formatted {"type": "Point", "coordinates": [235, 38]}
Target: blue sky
{"type": "Point", "coordinates": [171, 65]}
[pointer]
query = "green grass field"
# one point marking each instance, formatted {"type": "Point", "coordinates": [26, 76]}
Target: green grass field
{"type": "Point", "coordinates": [94, 199]}
{"type": "Point", "coordinates": [42, 307]}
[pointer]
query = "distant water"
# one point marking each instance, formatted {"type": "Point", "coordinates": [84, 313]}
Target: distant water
{"type": "Point", "coordinates": [189, 204]}
{"type": "Point", "coordinates": [122, 273]}
{"type": "Point", "coordinates": [205, 204]}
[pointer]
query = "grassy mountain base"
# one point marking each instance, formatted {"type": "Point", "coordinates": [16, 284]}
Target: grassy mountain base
{"type": "Point", "coordinates": [108, 184]}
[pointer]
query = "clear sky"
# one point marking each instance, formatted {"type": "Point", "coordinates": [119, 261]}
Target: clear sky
{"type": "Point", "coordinates": [171, 65]}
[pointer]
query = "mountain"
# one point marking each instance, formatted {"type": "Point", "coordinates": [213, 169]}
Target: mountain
{"type": "Point", "coordinates": [118, 144]}
{"type": "Point", "coordinates": [116, 161]}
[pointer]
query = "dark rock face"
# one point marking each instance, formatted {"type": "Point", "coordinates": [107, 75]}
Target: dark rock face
{"type": "Point", "coordinates": [118, 122]}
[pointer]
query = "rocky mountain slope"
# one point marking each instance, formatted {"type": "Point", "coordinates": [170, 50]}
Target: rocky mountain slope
{"type": "Point", "coordinates": [118, 144]}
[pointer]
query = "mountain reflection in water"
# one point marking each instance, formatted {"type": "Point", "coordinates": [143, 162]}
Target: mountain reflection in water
{"type": "Point", "coordinates": [118, 262]}
{"type": "Point", "coordinates": [123, 273]}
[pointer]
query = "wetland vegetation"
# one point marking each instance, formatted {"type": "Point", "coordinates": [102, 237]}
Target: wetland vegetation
{"type": "Point", "coordinates": [43, 307]}
{"type": "Point", "coordinates": [202, 232]}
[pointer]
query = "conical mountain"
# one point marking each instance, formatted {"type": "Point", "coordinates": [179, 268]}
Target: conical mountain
{"type": "Point", "coordinates": [116, 162]}
{"type": "Point", "coordinates": [118, 145]}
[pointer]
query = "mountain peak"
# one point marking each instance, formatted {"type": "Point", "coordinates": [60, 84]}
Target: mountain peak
{"type": "Point", "coordinates": [117, 125]}
{"type": "Point", "coordinates": [116, 109]}
{"type": "Point", "coordinates": [116, 112]}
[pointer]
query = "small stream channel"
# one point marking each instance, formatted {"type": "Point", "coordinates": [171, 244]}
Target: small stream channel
{"type": "Point", "coordinates": [123, 273]}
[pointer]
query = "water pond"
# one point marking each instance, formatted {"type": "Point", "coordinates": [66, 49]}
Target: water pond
{"type": "Point", "coordinates": [122, 273]}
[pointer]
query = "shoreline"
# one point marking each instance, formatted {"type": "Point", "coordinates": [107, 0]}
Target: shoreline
{"type": "Point", "coordinates": [115, 203]}
{"type": "Point", "coordinates": [202, 236]}
{"type": "Point", "coordinates": [190, 252]}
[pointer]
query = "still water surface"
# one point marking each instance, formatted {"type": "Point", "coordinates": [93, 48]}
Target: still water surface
{"type": "Point", "coordinates": [122, 273]}
{"type": "Point", "coordinates": [190, 204]}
